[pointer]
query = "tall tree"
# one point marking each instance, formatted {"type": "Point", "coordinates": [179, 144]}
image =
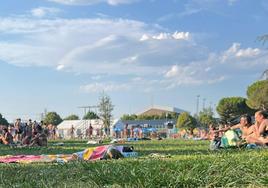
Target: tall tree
{"type": "Point", "coordinates": [206, 117]}
{"type": "Point", "coordinates": [91, 115]}
{"type": "Point", "coordinates": [105, 111]}
{"type": "Point", "coordinates": [232, 107]}
{"type": "Point", "coordinates": [52, 118]}
{"type": "Point", "coordinates": [258, 95]}
{"type": "Point", "coordinates": [3, 121]}
{"type": "Point", "coordinates": [72, 117]}
{"type": "Point", "coordinates": [185, 120]}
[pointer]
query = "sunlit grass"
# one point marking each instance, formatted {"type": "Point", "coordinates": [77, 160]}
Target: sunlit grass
{"type": "Point", "coordinates": [191, 164]}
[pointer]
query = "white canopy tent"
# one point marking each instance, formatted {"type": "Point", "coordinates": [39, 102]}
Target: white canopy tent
{"type": "Point", "coordinates": [79, 126]}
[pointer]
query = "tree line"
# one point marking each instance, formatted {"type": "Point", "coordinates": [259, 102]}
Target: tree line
{"type": "Point", "coordinates": [229, 108]}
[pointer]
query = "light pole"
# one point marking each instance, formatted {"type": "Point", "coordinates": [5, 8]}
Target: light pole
{"type": "Point", "coordinates": [197, 104]}
{"type": "Point", "coordinates": [204, 103]}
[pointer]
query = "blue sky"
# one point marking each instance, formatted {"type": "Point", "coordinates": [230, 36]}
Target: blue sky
{"type": "Point", "coordinates": [61, 54]}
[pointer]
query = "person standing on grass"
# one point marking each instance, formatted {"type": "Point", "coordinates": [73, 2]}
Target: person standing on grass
{"type": "Point", "coordinates": [132, 132]}
{"type": "Point", "coordinates": [90, 131]}
{"type": "Point", "coordinates": [260, 129]}
{"type": "Point", "coordinates": [72, 131]}
{"type": "Point", "coordinates": [18, 130]}
{"type": "Point", "coordinates": [126, 131]}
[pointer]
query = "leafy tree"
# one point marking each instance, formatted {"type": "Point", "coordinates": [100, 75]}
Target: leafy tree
{"type": "Point", "coordinates": [206, 117]}
{"type": "Point", "coordinates": [148, 117]}
{"type": "Point", "coordinates": [72, 117]}
{"type": "Point", "coordinates": [91, 115]}
{"type": "Point", "coordinates": [105, 111]}
{"type": "Point", "coordinates": [231, 107]}
{"type": "Point", "coordinates": [3, 121]}
{"type": "Point", "coordinates": [52, 118]}
{"type": "Point", "coordinates": [185, 120]}
{"type": "Point", "coordinates": [257, 94]}
{"type": "Point", "coordinates": [129, 117]}
{"type": "Point", "coordinates": [170, 115]}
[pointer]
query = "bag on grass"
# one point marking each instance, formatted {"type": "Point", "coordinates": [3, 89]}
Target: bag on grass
{"type": "Point", "coordinates": [230, 139]}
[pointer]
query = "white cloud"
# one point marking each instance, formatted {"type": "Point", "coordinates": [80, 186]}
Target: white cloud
{"type": "Point", "coordinates": [78, 45]}
{"type": "Point", "coordinates": [249, 52]}
{"type": "Point", "coordinates": [191, 74]}
{"type": "Point", "coordinates": [144, 37]}
{"type": "Point", "coordinates": [173, 71]}
{"type": "Point", "coordinates": [235, 51]}
{"type": "Point", "coordinates": [106, 87]}
{"type": "Point", "coordinates": [218, 67]}
{"type": "Point", "coordinates": [90, 2]}
{"type": "Point", "coordinates": [116, 47]}
{"type": "Point", "coordinates": [164, 36]}
{"type": "Point", "coordinates": [44, 11]}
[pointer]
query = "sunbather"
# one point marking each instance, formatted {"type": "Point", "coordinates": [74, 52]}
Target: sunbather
{"type": "Point", "coordinates": [260, 129]}
{"type": "Point", "coordinates": [245, 125]}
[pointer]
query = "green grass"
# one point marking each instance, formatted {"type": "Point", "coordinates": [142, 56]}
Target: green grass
{"type": "Point", "coordinates": [191, 164]}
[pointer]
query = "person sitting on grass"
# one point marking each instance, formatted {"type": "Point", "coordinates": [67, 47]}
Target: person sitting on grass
{"type": "Point", "coordinates": [244, 126]}
{"type": "Point", "coordinates": [40, 139]}
{"type": "Point", "coordinates": [212, 133]}
{"type": "Point", "coordinates": [260, 129]}
{"type": "Point", "coordinates": [6, 138]}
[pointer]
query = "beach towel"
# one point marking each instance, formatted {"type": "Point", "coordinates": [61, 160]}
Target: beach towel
{"type": "Point", "coordinates": [89, 154]}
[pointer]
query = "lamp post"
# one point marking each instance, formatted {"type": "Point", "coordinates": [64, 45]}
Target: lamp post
{"type": "Point", "coordinates": [204, 103]}
{"type": "Point", "coordinates": [197, 104]}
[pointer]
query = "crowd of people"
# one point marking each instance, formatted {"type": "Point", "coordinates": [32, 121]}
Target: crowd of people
{"type": "Point", "coordinates": [256, 133]}
{"type": "Point", "coordinates": [134, 132]}
{"type": "Point", "coordinates": [29, 133]}
{"type": "Point", "coordinates": [34, 133]}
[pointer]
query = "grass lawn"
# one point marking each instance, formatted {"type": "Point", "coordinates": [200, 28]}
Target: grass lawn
{"type": "Point", "coordinates": [191, 165]}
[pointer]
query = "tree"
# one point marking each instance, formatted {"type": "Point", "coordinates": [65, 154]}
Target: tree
{"type": "Point", "coordinates": [169, 115]}
{"type": "Point", "coordinates": [206, 117]}
{"type": "Point", "coordinates": [231, 107]}
{"type": "Point", "coordinates": [129, 117]}
{"type": "Point", "coordinates": [72, 117]}
{"type": "Point", "coordinates": [3, 121]}
{"type": "Point", "coordinates": [257, 94]}
{"type": "Point", "coordinates": [52, 118]}
{"type": "Point", "coordinates": [105, 111]}
{"type": "Point", "coordinates": [91, 115]}
{"type": "Point", "coordinates": [185, 120]}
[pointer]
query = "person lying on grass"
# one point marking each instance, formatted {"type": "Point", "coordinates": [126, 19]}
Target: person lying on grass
{"type": "Point", "coordinates": [6, 138]}
{"type": "Point", "coordinates": [260, 129]}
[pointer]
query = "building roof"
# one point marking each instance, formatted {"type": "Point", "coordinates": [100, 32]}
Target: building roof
{"type": "Point", "coordinates": [161, 109]}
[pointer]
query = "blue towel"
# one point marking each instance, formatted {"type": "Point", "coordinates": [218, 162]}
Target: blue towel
{"type": "Point", "coordinates": [130, 154]}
